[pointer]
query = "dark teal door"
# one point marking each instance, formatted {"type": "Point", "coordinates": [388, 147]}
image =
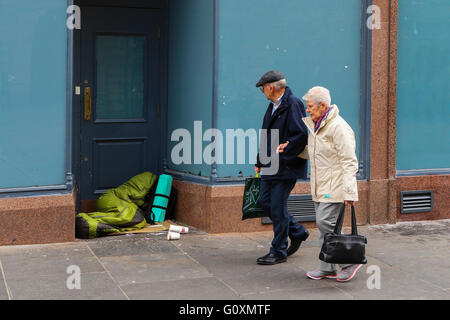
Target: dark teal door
{"type": "Point", "coordinates": [120, 124]}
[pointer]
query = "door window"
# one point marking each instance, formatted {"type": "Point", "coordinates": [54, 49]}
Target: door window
{"type": "Point", "coordinates": [120, 77]}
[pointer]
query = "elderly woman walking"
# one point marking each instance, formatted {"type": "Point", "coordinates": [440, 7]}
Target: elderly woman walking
{"type": "Point", "coordinates": [333, 163]}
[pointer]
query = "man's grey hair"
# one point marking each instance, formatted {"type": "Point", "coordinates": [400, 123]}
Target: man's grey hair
{"type": "Point", "coordinates": [280, 84]}
{"type": "Point", "coordinates": [318, 95]}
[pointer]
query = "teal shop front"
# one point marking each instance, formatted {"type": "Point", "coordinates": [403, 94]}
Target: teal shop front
{"type": "Point", "coordinates": [36, 200]}
{"type": "Point", "coordinates": [33, 87]}
{"type": "Point", "coordinates": [93, 92]}
{"type": "Point", "coordinates": [228, 51]}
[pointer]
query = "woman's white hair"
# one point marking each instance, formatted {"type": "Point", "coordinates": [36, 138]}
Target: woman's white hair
{"type": "Point", "coordinates": [318, 95]}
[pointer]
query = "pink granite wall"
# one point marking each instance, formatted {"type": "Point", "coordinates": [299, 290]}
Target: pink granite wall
{"type": "Point", "coordinates": [218, 209]}
{"type": "Point", "coordinates": [382, 203]}
{"type": "Point", "coordinates": [438, 184]}
{"type": "Point", "coordinates": [37, 220]}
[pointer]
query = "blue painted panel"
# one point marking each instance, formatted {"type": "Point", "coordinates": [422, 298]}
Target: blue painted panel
{"type": "Point", "coordinates": [311, 42]}
{"type": "Point", "coordinates": [190, 73]}
{"type": "Point", "coordinates": [114, 173]}
{"type": "Point", "coordinates": [32, 92]}
{"type": "Point", "coordinates": [423, 95]}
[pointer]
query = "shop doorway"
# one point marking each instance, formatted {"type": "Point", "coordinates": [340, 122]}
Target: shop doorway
{"type": "Point", "coordinates": [120, 108]}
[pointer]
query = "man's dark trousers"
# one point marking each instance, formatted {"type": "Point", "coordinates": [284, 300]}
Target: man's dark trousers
{"type": "Point", "coordinates": [273, 199]}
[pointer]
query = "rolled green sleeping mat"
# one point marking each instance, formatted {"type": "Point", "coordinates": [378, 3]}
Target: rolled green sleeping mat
{"type": "Point", "coordinates": [162, 196]}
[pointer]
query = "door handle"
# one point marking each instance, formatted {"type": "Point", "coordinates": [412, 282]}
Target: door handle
{"type": "Point", "coordinates": [87, 103]}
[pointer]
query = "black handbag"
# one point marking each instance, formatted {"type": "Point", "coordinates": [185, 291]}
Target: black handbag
{"type": "Point", "coordinates": [344, 248]}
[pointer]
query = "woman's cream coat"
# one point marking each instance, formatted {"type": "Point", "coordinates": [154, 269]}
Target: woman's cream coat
{"type": "Point", "coordinates": [333, 161]}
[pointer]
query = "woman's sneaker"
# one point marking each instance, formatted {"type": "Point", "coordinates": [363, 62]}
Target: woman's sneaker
{"type": "Point", "coordinates": [347, 273]}
{"type": "Point", "coordinates": [318, 274]}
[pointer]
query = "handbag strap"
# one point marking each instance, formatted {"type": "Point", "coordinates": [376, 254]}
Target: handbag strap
{"type": "Point", "coordinates": [354, 228]}
{"type": "Point", "coordinates": [340, 222]}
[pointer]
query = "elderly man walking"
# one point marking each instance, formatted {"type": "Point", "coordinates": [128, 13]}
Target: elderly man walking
{"type": "Point", "coordinates": [331, 150]}
{"type": "Point", "coordinates": [283, 114]}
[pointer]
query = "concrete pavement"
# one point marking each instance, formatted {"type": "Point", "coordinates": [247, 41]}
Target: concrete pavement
{"type": "Point", "coordinates": [405, 261]}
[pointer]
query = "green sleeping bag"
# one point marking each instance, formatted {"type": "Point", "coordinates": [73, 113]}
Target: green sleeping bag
{"type": "Point", "coordinates": [119, 209]}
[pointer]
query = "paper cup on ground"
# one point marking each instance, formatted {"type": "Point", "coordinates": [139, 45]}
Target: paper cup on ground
{"type": "Point", "coordinates": [178, 229]}
{"type": "Point", "coordinates": [173, 235]}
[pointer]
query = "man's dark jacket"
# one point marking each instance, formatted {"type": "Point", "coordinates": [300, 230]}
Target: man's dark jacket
{"type": "Point", "coordinates": [287, 118]}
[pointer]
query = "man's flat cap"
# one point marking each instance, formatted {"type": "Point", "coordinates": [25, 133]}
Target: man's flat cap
{"type": "Point", "coordinates": [269, 77]}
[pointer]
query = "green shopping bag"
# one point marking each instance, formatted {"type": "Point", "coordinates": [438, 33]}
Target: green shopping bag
{"type": "Point", "coordinates": [250, 205]}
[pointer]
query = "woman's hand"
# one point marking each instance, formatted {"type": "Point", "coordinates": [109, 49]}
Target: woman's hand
{"type": "Point", "coordinates": [281, 147]}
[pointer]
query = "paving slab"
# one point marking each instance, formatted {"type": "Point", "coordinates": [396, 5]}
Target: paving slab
{"type": "Point", "coordinates": [412, 259]}
{"type": "Point", "coordinates": [3, 289]}
{"type": "Point", "coordinates": [319, 293]}
{"type": "Point", "coordinates": [265, 238]}
{"type": "Point", "coordinates": [93, 286]}
{"type": "Point", "coordinates": [394, 285]}
{"type": "Point", "coordinates": [153, 268]}
{"type": "Point", "coordinates": [18, 267]}
{"type": "Point", "coordinates": [130, 245]}
{"type": "Point", "coordinates": [208, 288]}
{"type": "Point", "coordinates": [235, 264]}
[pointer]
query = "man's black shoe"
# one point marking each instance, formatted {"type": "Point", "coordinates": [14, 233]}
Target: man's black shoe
{"type": "Point", "coordinates": [262, 258]}
{"type": "Point", "coordinates": [270, 259]}
{"type": "Point", "coordinates": [295, 244]}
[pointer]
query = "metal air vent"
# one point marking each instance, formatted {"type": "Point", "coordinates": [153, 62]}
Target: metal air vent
{"type": "Point", "coordinates": [301, 207]}
{"type": "Point", "coordinates": [416, 201]}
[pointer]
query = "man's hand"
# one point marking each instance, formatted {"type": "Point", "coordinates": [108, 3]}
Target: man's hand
{"type": "Point", "coordinates": [349, 203]}
{"type": "Point", "coordinates": [257, 170]}
{"type": "Point", "coordinates": [281, 147]}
